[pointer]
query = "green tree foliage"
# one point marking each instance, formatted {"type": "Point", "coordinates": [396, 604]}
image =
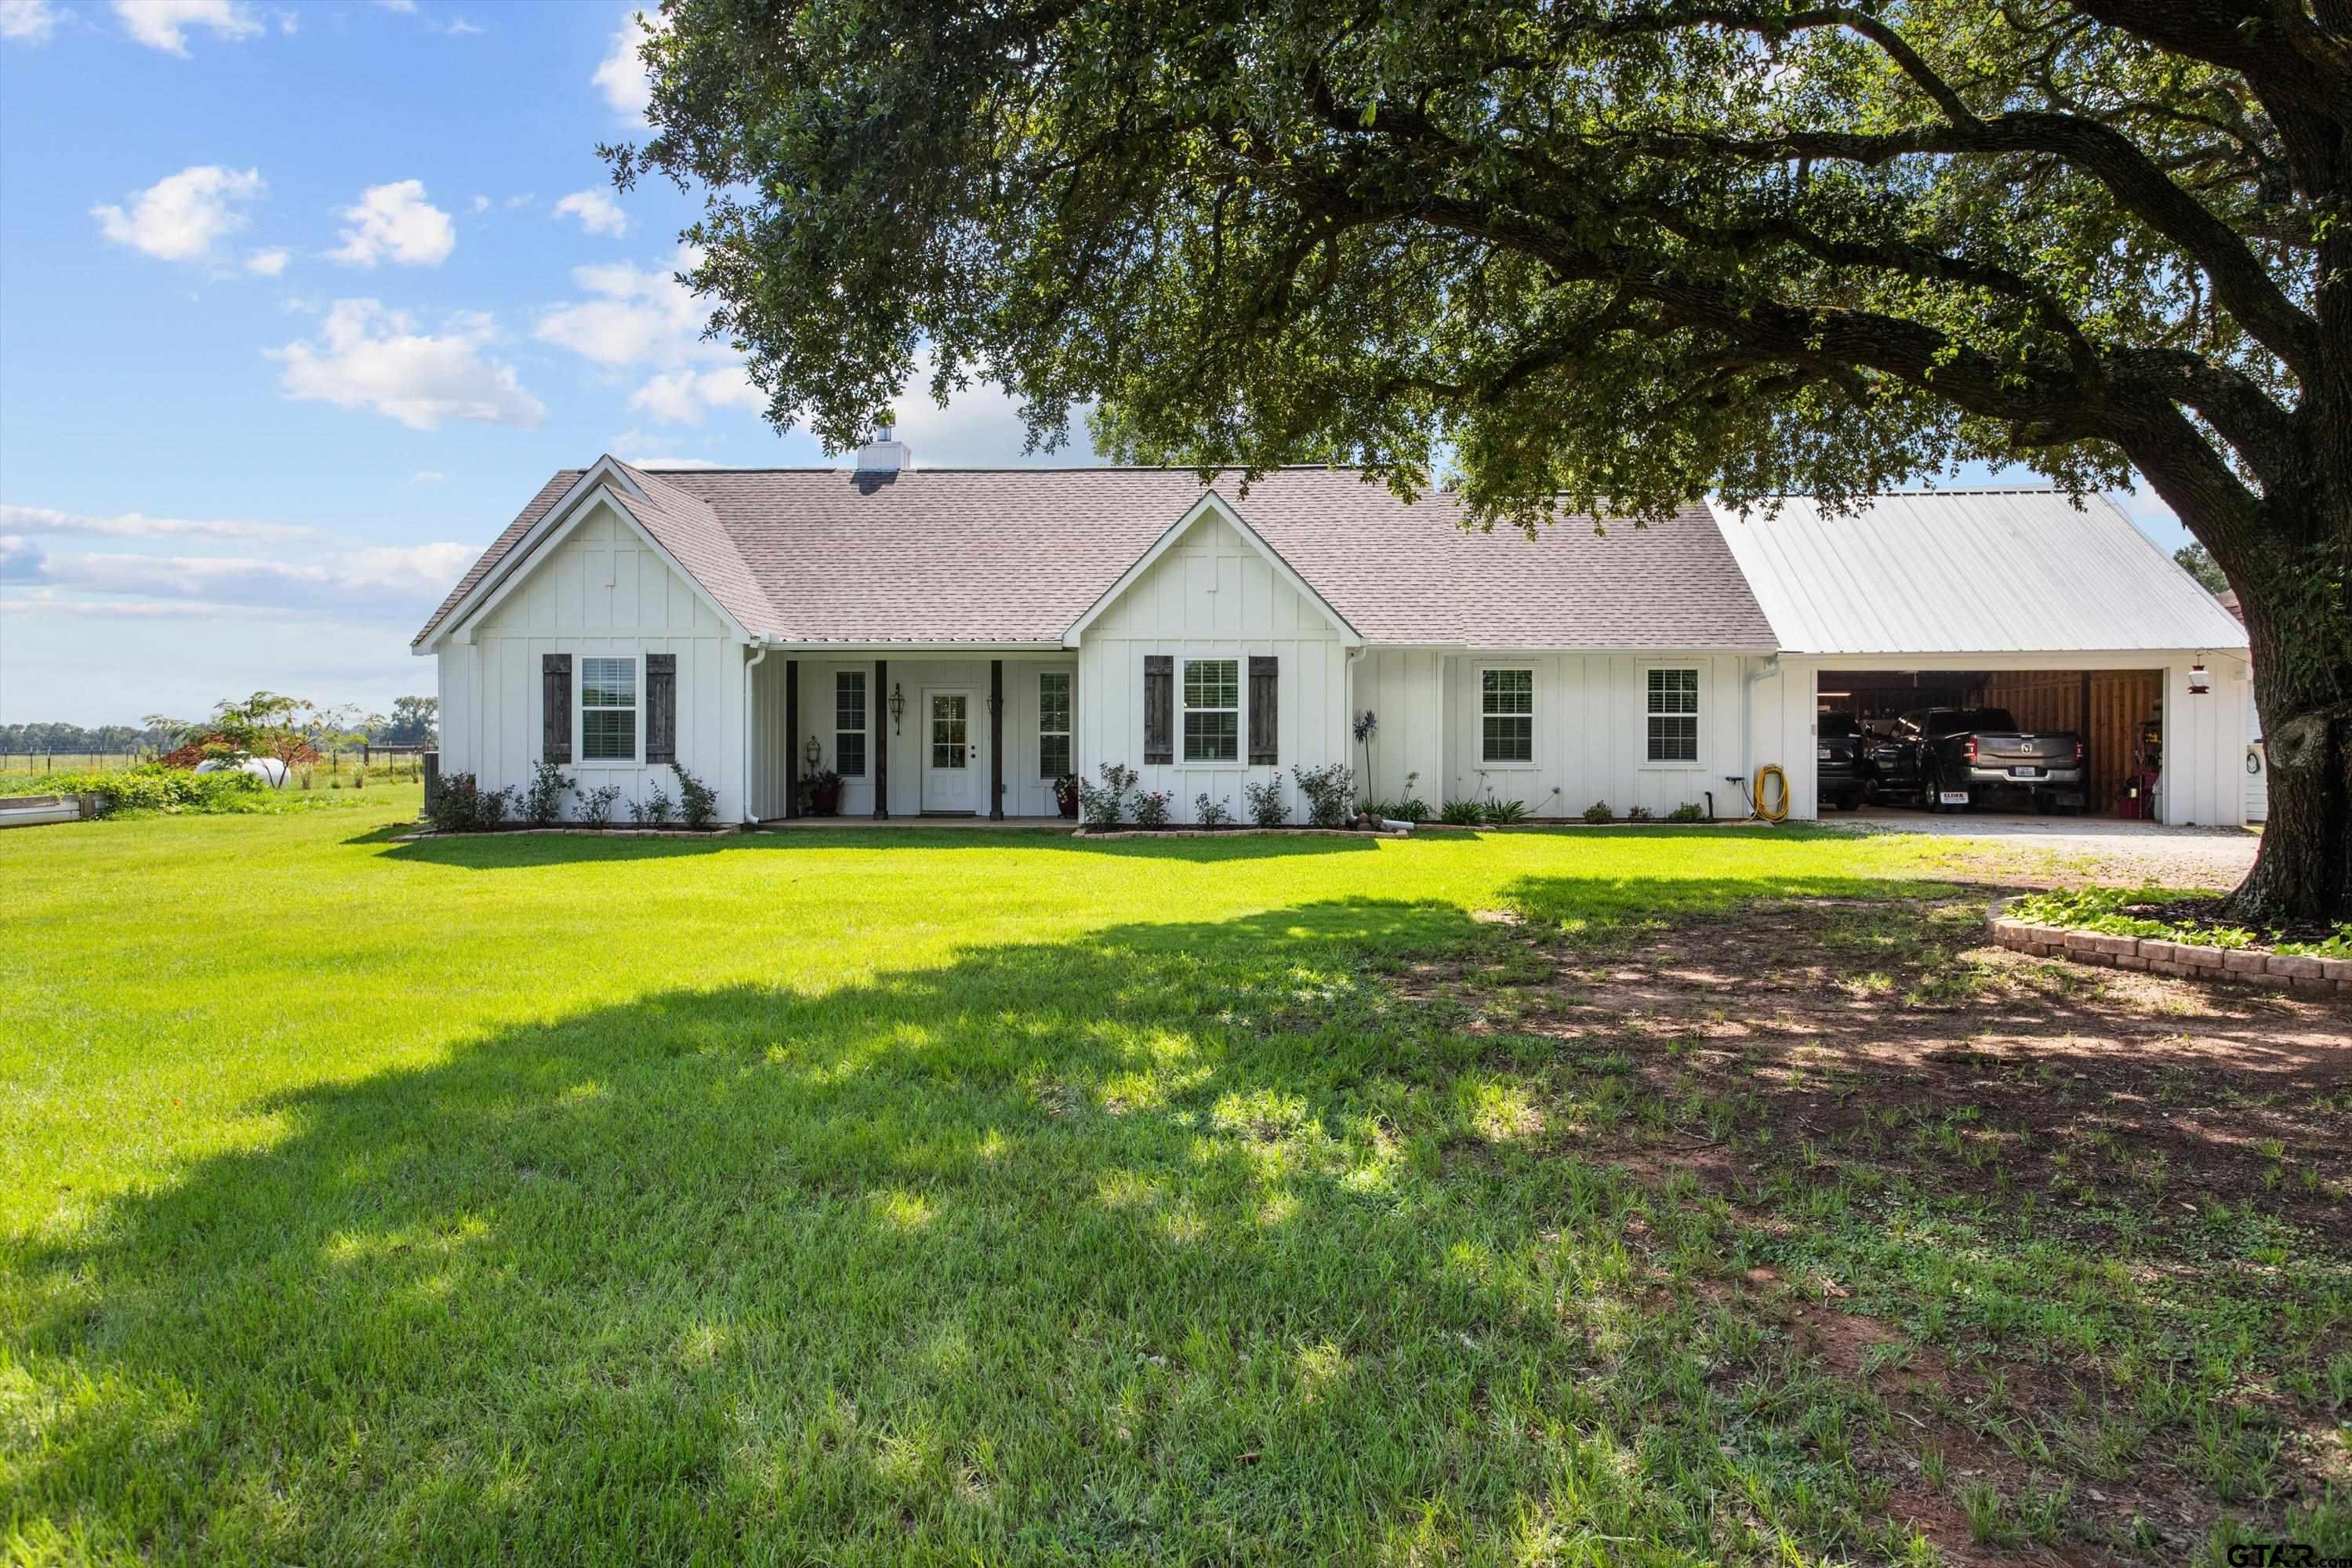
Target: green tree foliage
{"type": "Point", "coordinates": [414, 722]}
{"type": "Point", "coordinates": [1603, 251]}
{"type": "Point", "coordinates": [2197, 561]}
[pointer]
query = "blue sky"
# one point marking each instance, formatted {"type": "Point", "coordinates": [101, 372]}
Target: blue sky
{"type": "Point", "coordinates": [301, 309]}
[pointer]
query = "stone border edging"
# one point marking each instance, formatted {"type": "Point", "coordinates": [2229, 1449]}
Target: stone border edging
{"type": "Point", "coordinates": [2299, 972]}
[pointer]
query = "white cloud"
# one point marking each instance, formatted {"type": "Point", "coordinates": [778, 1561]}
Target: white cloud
{"type": "Point", "coordinates": [369, 357]}
{"type": "Point", "coordinates": [669, 462]}
{"type": "Point", "coordinates": [164, 24]}
{"type": "Point", "coordinates": [269, 263]}
{"type": "Point", "coordinates": [406, 7]}
{"type": "Point", "coordinates": [428, 477]}
{"type": "Point", "coordinates": [481, 203]}
{"type": "Point", "coordinates": [182, 216]}
{"type": "Point", "coordinates": [396, 221]}
{"type": "Point", "coordinates": [647, 319]}
{"type": "Point", "coordinates": [622, 75]}
{"type": "Point", "coordinates": [460, 27]}
{"type": "Point", "coordinates": [29, 21]}
{"type": "Point", "coordinates": [679, 397]}
{"type": "Point", "coordinates": [138, 525]}
{"type": "Point", "coordinates": [381, 582]}
{"type": "Point", "coordinates": [597, 211]}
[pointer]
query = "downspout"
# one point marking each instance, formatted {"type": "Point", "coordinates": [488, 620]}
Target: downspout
{"type": "Point", "coordinates": [760, 651]}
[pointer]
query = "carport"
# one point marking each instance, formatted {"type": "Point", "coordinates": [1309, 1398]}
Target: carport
{"type": "Point", "coordinates": [2071, 619]}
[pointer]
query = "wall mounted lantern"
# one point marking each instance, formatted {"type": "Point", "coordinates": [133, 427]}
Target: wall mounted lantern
{"type": "Point", "coordinates": [897, 708]}
{"type": "Point", "coordinates": [2200, 683]}
{"type": "Point", "coordinates": [813, 753]}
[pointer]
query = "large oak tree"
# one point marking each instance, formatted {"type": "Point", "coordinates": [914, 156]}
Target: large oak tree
{"type": "Point", "coordinates": [1606, 254]}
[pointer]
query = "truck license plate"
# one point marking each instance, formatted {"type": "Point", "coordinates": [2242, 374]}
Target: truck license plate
{"type": "Point", "coordinates": [1952, 797]}
{"type": "Point", "coordinates": [2026, 773]}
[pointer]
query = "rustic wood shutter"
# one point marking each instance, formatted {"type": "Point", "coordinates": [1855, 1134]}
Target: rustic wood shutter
{"type": "Point", "coordinates": [1159, 707]}
{"type": "Point", "coordinates": [555, 707]}
{"type": "Point", "coordinates": [1264, 709]}
{"type": "Point", "coordinates": [661, 708]}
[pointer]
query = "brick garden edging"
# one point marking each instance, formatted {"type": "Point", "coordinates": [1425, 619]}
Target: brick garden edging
{"type": "Point", "coordinates": [2276, 970]}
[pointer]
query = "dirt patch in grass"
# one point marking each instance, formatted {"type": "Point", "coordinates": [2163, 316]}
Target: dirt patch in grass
{"type": "Point", "coordinates": [1895, 1031]}
{"type": "Point", "coordinates": [1839, 1073]}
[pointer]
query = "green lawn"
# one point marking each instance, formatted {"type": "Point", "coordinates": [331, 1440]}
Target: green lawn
{"type": "Point", "coordinates": [894, 1197]}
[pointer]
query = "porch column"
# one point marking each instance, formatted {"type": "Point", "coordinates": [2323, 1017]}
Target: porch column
{"type": "Point", "coordinates": [791, 737]}
{"type": "Point", "coordinates": [995, 740]}
{"type": "Point", "coordinates": [882, 751]}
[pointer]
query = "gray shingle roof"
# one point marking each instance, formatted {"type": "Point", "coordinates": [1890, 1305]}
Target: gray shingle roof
{"type": "Point", "coordinates": [1017, 555]}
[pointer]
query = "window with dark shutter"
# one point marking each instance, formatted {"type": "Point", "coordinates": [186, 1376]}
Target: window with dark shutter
{"type": "Point", "coordinates": [555, 707]}
{"type": "Point", "coordinates": [661, 708]}
{"type": "Point", "coordinates": [1264, 712]}
{"type": "Point", "coordinates": [1159, 707]}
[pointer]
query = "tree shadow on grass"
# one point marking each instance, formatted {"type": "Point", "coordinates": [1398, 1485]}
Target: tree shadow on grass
{"type": "Point", "coordinates": [500, 851]}
{"type": "Point", "coordinates": [1184, 1240]}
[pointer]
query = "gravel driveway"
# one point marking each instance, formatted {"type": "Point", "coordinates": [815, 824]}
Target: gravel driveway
{"type": "Point", "coordinates": [2086, 848]}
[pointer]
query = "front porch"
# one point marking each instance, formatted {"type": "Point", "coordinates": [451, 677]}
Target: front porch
{"type": "Point", "coordinates": [930, 737]}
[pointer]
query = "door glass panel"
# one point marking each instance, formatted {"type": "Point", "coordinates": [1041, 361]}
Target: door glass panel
{"type": "Point", "coordinates": [948, 729]}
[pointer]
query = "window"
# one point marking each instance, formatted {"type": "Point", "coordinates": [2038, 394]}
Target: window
{"type": "Point", "coordinates": [1507, 715]}
{"type": "Point", "coordinates": [1673, 715]}
{"type": "Point", "coordinates": [1052, 725]}
{"type": "Point", "coordinates": [849, 723]}
{"type": "Point", "coordinates": [608, 710]}
{"type": "Point", "coordinates": [1212, 710]}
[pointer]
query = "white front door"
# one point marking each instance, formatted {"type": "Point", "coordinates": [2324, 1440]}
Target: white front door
{"type": "Point", "coordinates": [950, 751]}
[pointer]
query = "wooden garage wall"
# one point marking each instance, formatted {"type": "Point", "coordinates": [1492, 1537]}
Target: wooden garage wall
{"type": "Point", "coordinates": [2119, 700]}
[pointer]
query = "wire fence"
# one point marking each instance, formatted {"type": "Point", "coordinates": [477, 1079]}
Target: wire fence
{"type": "Point", "coordinates": [378, 762]}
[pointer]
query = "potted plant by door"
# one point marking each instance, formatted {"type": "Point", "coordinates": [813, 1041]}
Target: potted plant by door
{"type": "Point", "coordinates": [1065, 796]}
{"type": "Point", "coordinates": [821, 793]}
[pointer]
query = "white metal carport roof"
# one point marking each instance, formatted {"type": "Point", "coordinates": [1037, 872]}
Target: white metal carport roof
{"type": "Point", "coordinates": [1969, 572]}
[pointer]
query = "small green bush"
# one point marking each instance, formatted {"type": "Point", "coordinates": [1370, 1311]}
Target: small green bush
{"type": "Point", "coordinates": [542, 801]}
{"type": "Point", "coordinates": [653, 811]}
{"type": "Point", "coordinates": [1503, 813]}
{"type": "Point", "coordinates": [1598, 812]}
{"type": "Point", "coordinates": [1265, 805]}
{"type": "Point", "coordinates": [154, 787]}
{"type": "Point", "coordinates": [1463, 814]}
{"type": "Point", "coordinates": [1152, 808]}
{"type": "Point", "coordinates": [1689, 810]}
{"type": "Point", "coordinates": [1331, 793]}
{"type": "Point", "coordinates": [697, 803]}
{"type": "Point", "coordinates": [1210, 813]}
{"type": "Point", "coordinates": [464, 807]}
{"type": "Point", "coordinates": [1103, 804]}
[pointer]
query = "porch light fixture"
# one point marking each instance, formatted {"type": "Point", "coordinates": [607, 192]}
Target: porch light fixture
{"type": "Point", "coordinates": [813, 753]}
{"type": "Point", "coordinates": [897, 708]}
{"type": "Point", "coordinates": [2200, 683]}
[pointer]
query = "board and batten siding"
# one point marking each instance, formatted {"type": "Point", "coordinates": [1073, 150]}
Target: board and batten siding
{"type": "Point", "coordinates": [1592, 733]}
{"type": "Point", "coordinates": [600, 592]}
{"type": "Point", "coordinates": [1213, 595]}
{"type": "Point", "coordinates": [1404, 689]}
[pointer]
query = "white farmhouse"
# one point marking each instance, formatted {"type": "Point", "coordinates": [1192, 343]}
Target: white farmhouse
{"type": "Point", "coordinates": [951, 641]}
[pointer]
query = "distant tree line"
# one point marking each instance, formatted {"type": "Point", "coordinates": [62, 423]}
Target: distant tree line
{"type": "Point", "coordinates": [413, 721]}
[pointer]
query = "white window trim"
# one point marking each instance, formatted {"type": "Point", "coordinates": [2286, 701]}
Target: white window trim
{"type": "Point", "coordinates": [1240, 710]}
{"type": "Point", "coordinates": [1069, 717]}
{"type": "Point", "coordinates": [580, 711]}
{"type": "Point", "coordinates": [867, 674]}
{"type": "Point", "coordinates": [1478, 718]}
{"type": "Point", "coordinates": [1698, 717]}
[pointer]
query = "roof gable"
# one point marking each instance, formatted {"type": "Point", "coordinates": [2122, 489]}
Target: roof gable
{"type": "Point", "coordinates": [1211, 507]}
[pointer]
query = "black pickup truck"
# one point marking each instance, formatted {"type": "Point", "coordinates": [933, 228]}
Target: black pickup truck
{"type": "Point", "coordinates": [1973, 756]}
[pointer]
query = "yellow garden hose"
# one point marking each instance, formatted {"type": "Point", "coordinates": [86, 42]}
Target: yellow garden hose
{"type": "Point", "coordinates": [1778, 810]}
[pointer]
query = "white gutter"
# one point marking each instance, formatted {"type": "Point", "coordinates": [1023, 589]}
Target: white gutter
{"type": "Point", "coordinates": [750, 813]}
